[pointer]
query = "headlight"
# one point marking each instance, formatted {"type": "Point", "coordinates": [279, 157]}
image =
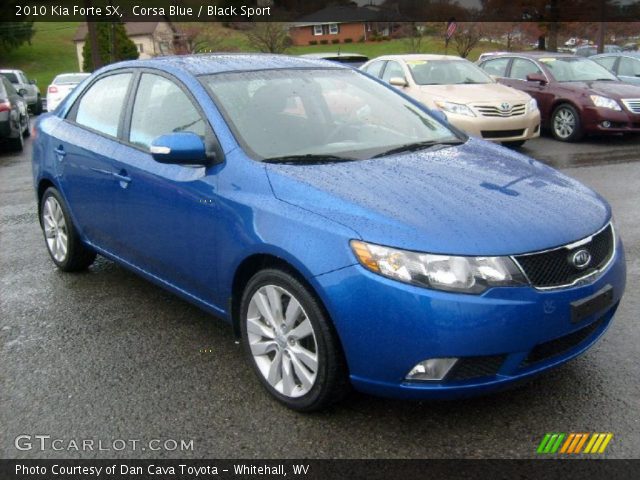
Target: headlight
{"type": "Point", "coordinates": [457, 108]}
{"type": "Point", "coordinates": [605, 102]}
{"type": "Point", "coordinates": [439, 272]}
{"type": "Point", "coordinates": [532, 106]}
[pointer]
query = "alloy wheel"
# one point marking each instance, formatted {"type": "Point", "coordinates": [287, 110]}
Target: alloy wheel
{"type": "Point", "coordinates": [282, 341]}
{"type": "Point", "coordinates": [564, 123]}
{"type": "Point", "coordinates": [55, 229]}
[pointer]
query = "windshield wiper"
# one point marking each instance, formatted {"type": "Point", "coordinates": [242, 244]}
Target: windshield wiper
{"type": "Point", "coordinates": [308, 159]}
{"type": "Point", "coordinates": [414, 147]}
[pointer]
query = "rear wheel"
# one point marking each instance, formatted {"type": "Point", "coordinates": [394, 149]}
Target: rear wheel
{"type": "Point", "coordinates": [290, 342]}
{"type": "Point", "coordinates": [27, 127]}
{"type": "Point", "coordinates": [566, 125]}
{"type": "Point", "coordinates": [17, 144]}
{"type": "Point", "coordinates": [37, 108]}
{"type": "Point", "coordinates": [64, 246]}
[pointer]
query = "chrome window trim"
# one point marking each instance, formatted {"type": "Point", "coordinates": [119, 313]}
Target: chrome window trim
{"type": "Point", "coordinates": [570, 246]}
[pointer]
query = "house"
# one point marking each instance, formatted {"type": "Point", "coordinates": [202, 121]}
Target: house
{"type": "Point", "coordinates": [342, 24]}
{"type": "Point", "coordinates": [152, 39]}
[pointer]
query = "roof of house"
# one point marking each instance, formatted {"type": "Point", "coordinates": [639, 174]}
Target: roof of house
{"type": "Point", "coordinates": [346, 14]}
{"type": "Point", "coordinates": [132, 28]}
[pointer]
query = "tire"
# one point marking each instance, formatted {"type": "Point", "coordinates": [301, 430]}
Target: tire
{"type": "Point", "coordinates": [514, 144]}
{"type": "Point", "coordinates": [63, 244]}
{"type": "Point", "coordinates": [306, 372]}
{"type": "Point", "coordinates": [16, 144]}
{"type": "Point", "coordinates": [37, 108]}
{"type": "Point", "coordinates": [566, 124]}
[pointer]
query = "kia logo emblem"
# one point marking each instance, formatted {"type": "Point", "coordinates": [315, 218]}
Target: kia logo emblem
{"type": "Point", "coordinates": [580, 259]}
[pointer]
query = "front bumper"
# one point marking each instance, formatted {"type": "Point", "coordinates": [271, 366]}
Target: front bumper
{"type": "Point", "coordinates": [504, 336]}
{"type": "Point", "coordinates": [594, 119]}
{"type": "Point", "coordinates": [499, 129]}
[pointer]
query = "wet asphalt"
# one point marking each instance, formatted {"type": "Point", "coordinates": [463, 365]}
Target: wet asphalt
{"type": "Point", "coordinates": [107, 356]}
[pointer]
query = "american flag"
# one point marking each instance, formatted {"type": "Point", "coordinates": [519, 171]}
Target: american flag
{"type": "Point", "coordinates": [451, 29]}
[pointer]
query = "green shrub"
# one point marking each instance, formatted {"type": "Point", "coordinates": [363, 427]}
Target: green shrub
{"type": "Point", "coordinates": [324, 42]}
{"type": "Point", "coordinates": [313, 42]}
{"type": "Point", "coordinates": [348, 40]}
{"type": "Point", "coordinates": [335, 40]}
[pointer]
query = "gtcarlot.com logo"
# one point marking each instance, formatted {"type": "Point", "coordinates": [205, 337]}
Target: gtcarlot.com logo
{"type": "Point", "coordinates": [574, 443]}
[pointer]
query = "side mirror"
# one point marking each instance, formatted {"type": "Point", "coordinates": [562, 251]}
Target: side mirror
{"type": "Point", "coordinates": [33, 81]}
{"type": "Point", "coordinates": [22, 92]}
{"type": "Point", "coordinates": [181, 148]}
{"type": "Point", "coordinates": [537, 77]}
{"type": "Point", "coordinates": [398, 82]}
{"type": "Point", "coordinates": [439, 114]}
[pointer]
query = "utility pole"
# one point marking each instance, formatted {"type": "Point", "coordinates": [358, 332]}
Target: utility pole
{"type": "Point", "coordinates": [93, 38]}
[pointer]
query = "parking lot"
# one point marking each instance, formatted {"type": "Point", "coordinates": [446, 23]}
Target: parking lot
{"type": "Point", "coordinates": [106, 355]}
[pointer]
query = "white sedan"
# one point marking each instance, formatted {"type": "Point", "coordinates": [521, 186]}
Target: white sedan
{"type": "Point", "coordinates": [61, 87]}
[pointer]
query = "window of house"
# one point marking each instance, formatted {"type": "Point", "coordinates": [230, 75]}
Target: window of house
{"type": "Point", "coordinates": [140, 47]}
{"type": "Point", "coordinates": [160, 108]}
{"type": "Point", "coordinates": [101, 106]}
{"type": "Point", "coordinates": [333, 29]}
{"type": "Point", "coordinates": [317, 30]}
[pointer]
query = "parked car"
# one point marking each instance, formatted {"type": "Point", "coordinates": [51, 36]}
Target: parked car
{"type": "Point", "coordinates": [625, 65]}
{"type": "Point", "coordinates": [471, 99]}
{"type": "Point", "coordinates": [351, 59]}
{"type": "Point", "coordinates": [590, 50]}
{"type": "Point", "coordinates": [576, 96]}
{"type": "Point", "coordinates": [14, 117]}
{"type": "Point", "coordinates": [28, 88]}
{"type": "Point", "coordinates": [61, 86]}
{"type": "Point", "coordinates": [375, 247]}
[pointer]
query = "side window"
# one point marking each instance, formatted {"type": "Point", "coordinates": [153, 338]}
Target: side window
{"type": "Point", "coordinates": [375, 68]}
{"type": "Point", "coordinates": [101, 106]}
{"type": "Point", "coordinates": [496, 67]}
{"type": "Point", "coordinates": [629, 67]}
{"type": "Point", "coordinates": [606, 62]}
{"type": "Point", "coordinates": [10, 89]}
{"type": "Point", "coordinates": [520, 68]}
{"type": "Point", "coordinates": [393, 69]}
{"type": "Point", "coordinates": [161, 107]}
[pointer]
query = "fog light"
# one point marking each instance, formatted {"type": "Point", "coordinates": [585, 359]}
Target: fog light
{"type": "Point", "coordinates": [431, 369]}
{"type": "Point", "coordinates": [606, 124]}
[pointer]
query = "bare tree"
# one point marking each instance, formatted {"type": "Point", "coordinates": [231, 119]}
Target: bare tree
{"type": "Point", "coordinates": [199, 37]}
{"type": "Point", "coordinates": [269, 37]}
{"type": "Point", "coordinates": [413, 36]}
{"type": "Point", "coordinates": [467, 36]}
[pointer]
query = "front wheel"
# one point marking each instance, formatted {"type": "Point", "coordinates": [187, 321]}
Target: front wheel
{"type": "Point", "coordinates": [566, 125]}
{"type": "Point", "coordinates": [290, 342]}
{"type": "Point", "coordinates": [64, 245]}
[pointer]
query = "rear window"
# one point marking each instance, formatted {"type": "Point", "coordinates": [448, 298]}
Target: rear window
{"type": "Point", "coordinates": [70, 79]}
{"type": "Point", "coordinates": [12, 77]}
{"type": "Point", "coordinates": [101, 106]}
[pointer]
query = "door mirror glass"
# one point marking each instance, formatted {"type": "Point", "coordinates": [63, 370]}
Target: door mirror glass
{"type": "Point", "coordinates": [22, 92]}
{"type": "Point", "coordinates": [181, 148]}
{"type": "Point", "coordinates": [33, 81]}
{"type": "Point", "coordinates": [537, 77]}
{"type": "Point", "coordinates": [398, 81]}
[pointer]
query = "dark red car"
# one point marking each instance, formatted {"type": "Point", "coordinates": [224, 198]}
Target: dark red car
{"type": "Point", "coordinates": [575, 95]}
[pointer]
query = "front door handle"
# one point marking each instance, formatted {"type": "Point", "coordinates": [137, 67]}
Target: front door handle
{"type": "Point", "coordinates": [123, 178]}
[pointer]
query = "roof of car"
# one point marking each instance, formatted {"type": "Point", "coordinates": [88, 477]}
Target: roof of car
{"type": "Point", "coordinates": [617, 54]}
{"type": "Point", "coordinates": [209, 63]}
{"type": "Point", "coordinates": [533, 54]}
{"type": "Point", "coordinates": [333, 55]}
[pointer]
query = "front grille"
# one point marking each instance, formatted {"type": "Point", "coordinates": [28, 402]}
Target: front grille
{"type": "Point", "coordinates": [501, 133]}
{"type": "Point", "coordinates": [494, 111]}
{"type": "Point", "coordinates": [632, 104]}
{"type": "Point", "coordinates": [475, 367]}
{"type": "Point", "coordinates": [554, 268]}
{"type": "Point", "coordinates": [556, 347]}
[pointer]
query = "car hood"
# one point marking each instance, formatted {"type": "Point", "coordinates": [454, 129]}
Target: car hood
{"type": "Point", "coordinates": [472, 199]}
{"type": "Point", "coordinates": [487, 92]}
{"type": "Point", "coordinates": [611, 89]}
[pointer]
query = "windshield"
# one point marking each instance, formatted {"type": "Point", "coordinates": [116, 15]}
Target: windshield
{"type": "Point", "coordinates": [337, 113]}
{"type": "Point", "coordinates": [571, 69]}
{"type": "Point", "coordinates": [12, 77]}
{"type": "Point", "coordinates": [70, 78]}
{"type": "Point", "coordinates": [446, 72]}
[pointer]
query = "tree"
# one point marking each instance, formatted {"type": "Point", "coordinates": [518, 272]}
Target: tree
{"type": "Point", "coordinates": [200, 37]}
{"type": "Point", "coordinates": [467, 36]}
{"type": "Point", "coordinates": [113, 46]}
{"type": "Point", "coordinates": [14, 34]}
{"type": "Point", "coordinates": [269, 37]}
{"type": "Point", "coordinates": [413, 36]}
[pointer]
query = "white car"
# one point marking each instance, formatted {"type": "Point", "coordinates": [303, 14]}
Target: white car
{"type": "Point", "coordinates": [61, 87]}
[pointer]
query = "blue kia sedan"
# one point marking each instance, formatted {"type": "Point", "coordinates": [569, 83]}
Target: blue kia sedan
{"type": "Point", "coordinates": [349, 235]}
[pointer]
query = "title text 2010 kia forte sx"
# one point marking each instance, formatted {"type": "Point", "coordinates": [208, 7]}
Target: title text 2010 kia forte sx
{"type": "Point", "coordinates": [350, 237]}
